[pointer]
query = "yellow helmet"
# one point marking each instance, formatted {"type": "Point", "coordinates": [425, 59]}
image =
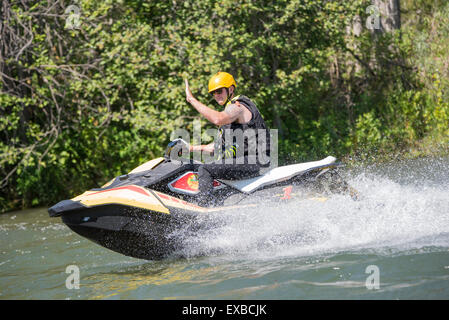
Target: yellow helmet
{"type": "Point", "coordinates": [221, 80]}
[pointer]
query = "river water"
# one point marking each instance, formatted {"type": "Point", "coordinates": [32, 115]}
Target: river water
{"type": "Point", "coordinates": [391, 244]}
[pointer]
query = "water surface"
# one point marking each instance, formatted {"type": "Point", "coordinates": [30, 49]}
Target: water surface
{"type": "Point", "coordinates": [305, 250]}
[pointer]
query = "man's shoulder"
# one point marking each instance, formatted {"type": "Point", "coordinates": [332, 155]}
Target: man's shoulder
{"type": "Point", "coordinates": [241, 98]}
{"type": "Point", "coordinates": [244, 100]}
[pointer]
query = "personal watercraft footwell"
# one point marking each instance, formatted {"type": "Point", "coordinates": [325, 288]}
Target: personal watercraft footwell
{"type": "Point", "coordinates": [138, 214]}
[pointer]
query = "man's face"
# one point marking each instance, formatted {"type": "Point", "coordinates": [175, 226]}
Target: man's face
{"type": "Point", "coordinates": [220, 95]}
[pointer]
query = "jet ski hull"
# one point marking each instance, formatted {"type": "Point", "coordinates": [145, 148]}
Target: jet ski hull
{"type": "Point", "coordinates": [135, 232]}
{"type": "Point", "coordinates": [143, 214]}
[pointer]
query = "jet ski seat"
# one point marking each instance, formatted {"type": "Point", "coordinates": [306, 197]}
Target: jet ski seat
{"type": "Point", "coordinates": [277, 174]}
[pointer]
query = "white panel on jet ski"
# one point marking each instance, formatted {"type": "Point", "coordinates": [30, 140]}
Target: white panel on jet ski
{"type": "Point", "coordinates": [277, 175]}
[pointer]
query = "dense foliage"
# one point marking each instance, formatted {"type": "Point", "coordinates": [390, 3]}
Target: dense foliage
{"type": "Point", "coordinates": [90, 89]}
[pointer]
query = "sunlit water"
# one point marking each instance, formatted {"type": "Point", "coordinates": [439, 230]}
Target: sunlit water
{"type": "Point", "coordinates": [303, 250]}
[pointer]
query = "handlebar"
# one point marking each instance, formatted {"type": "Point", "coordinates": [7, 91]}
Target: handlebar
{"type": "Point", "coordinates": [178, 145]}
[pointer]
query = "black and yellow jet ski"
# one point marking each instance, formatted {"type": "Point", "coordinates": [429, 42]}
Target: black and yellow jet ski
{"type": "Point", "coordinates": [136, 214]}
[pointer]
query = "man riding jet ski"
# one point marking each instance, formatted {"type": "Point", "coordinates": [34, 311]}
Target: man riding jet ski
{"type": "Point", "coordinates": [140, 214]}
{"type": "Point", "coordinates": [240, 115]}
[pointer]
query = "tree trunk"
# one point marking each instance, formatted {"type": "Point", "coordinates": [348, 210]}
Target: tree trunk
{"type": "Point", "coordinates": [390, 15]}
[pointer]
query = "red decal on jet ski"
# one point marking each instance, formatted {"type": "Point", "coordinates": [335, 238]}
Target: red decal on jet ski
{"type": "Point", "coordinates": [163, 196]}
{"type": "Point", "coordinates": [166, 197]}
{"type": "Point", "coordinates": [187, 183]}
{"type": "Point", "coordinates": [132, 188]}
{"type": "Point", "coordinates": [287, 192]}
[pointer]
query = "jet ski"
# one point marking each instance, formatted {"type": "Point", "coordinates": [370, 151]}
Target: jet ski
{"type": "Point", "coordinates": [137, 214]}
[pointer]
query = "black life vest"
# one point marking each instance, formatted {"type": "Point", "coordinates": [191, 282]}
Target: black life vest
{"type": "Point", "coordinates": [253, 142]}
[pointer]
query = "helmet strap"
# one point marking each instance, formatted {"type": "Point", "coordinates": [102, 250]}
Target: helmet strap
{"type": "Point", "coordinates": [228, 96]}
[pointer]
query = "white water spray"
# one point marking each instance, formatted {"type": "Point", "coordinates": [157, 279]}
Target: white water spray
{"type": "Point", "coordinates": [393, 213]}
